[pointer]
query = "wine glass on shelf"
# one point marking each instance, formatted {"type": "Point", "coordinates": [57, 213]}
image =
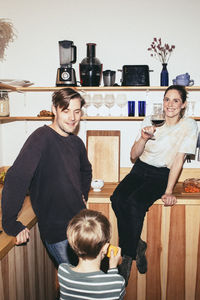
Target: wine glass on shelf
{"type": "Point", "coordinates": [88, 101]}
{"type": "Point", "coordinates": [109, 102]}
{"type": "Point", "coordinates": [190, 108]}
{"type": "Point", "coordinates": [121, 101]}
{"type": "Point", "coordinates": [97, 101]}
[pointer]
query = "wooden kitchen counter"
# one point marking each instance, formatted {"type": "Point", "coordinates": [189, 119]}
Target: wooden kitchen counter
{"type": "Point", "coordinates": [173, 253]}
{"type": "Point", "coordinates": [173, 247]}
{"type": "Point", "coordinates": [182, 197]}
{"type": "Point", "coordinates": [28, 218]}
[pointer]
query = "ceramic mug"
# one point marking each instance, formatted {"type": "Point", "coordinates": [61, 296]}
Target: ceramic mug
{"type": "Point", "coordinates": [97, 184]}
{"type": "Point", "coordinates": [183, 79]}
{"type": "Point", "coordinates": [183, 76]}
{"type": "Point", "coordinates": [185, 82]}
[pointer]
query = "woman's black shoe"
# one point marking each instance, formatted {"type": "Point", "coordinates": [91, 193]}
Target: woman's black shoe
{"type": "Point", "coordinates": [125, 267]}
{"type": "Point", "coordinates": [141, 260]}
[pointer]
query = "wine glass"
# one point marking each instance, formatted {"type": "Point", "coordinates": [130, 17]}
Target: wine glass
{"type": "Point", "coordinates": [97, 101]}
{"type": "Point", "coordinates": [157, 118]}
{"type": "Point", "coordinates": [190, 108]}
{"type": "Point", "coordinates": [88, 101]}
{"type": "Point", "coordinates": [121, 102]}
{"type": "Point", "coordinates": [109, 101]}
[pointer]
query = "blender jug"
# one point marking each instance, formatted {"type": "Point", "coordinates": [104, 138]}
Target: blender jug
{"type": "Point", "coordinates": [66, 75]}
{"type": "Point", "coordinates": [67, 53]}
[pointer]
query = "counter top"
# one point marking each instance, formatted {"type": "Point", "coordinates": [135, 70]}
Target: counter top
{"type": "Point", "coordinates": [28, 218]}
{"type": "Point", "coordinates": [182, 198]}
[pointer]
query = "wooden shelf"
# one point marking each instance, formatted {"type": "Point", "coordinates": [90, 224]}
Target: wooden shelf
{"type": "Point", "coordinates": [102, 88]}
{"type": "Point", "coordinates": [86, 118]}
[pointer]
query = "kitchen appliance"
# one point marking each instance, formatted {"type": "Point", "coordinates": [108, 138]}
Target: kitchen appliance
{"type": "Point", "coordinates": [109, 77]}
{"type": "Point", "coordinates": [135, 75]}
{"type": "Point", "coordinates": [90, 67]}
{"type": "Point", "coordinates": [66, 75]}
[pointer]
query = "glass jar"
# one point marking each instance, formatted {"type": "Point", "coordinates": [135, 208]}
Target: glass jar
{"type": "Point", "coordinates": [4, 104]}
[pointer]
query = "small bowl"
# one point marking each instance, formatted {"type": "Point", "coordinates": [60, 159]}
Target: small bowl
{"type": "Point", "coordinates": [97, 184]}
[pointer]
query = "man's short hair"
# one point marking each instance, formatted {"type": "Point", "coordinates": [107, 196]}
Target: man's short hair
{"type": "Point", "coordinates": [61, 98]}
{"type": "Point", "coordinates": [88, 232]}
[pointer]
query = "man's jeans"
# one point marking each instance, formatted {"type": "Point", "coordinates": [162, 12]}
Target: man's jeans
{"type": "Point", "coordinates": [58, 251]}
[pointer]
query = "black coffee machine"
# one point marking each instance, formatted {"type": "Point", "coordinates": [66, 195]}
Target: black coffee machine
{"type": "Point", "coordinates": [90, 68]}
{"type": "Point", "coordinates": [66, 75]}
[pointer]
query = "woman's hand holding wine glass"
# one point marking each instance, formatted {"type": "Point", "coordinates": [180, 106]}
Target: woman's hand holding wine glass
{"type": "Point", "coordinates": [148, 132]}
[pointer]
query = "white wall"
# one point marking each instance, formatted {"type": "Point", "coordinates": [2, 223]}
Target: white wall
{"type": "Point", "coordinates": [122, 29]}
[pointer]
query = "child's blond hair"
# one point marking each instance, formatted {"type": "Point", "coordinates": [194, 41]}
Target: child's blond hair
{"type": "Point", "coordinates": [88, 232]}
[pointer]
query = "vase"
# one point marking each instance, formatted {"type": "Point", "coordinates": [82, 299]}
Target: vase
{"type": "Point", "coordinates": [164, 76]}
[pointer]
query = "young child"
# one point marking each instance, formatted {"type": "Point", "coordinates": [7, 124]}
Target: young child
{"type": "Point", "coordinates": [88, 234]}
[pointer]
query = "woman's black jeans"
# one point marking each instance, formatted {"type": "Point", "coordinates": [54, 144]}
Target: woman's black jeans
{"type": "Point", "coordinates": [132, 199]}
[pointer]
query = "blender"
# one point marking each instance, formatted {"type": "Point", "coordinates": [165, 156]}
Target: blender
{"type": "Point", "coordinates": [66, 75]}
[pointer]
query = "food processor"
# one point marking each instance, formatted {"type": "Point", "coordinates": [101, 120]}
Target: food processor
{"type": "Point", "coordinates": [66, 75]}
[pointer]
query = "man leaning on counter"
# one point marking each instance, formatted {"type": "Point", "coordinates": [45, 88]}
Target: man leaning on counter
{"type": "Point", "coordinates": [53, 166]}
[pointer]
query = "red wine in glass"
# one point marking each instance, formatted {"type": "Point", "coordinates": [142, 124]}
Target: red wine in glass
{"type": "Point", "coordinates": [157, 122]}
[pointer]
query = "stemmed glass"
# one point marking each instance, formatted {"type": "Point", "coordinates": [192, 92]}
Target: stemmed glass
{"type": "Point", "coordinates": [157, 118]}
{"type": "Point", "coordinates": [190, 108]}
{"type": "Point", "coordinates": [88, 101]}
{"type": "Point", "coordinates": [97, 101]}
{"type": "Point", "coordinates": [121, 102]}
{"type": "Point", "coordinates": [109, 101]}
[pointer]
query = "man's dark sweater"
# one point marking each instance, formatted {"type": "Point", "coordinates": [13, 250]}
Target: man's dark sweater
{"type": "Point", "coordinates": [56, 171]}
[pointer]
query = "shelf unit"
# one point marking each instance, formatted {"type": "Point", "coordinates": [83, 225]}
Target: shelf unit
{"type": "Point", "coordinates": [90, 89]}
{"type": "Point", "coordinates": [103, 88]}
{"type": "Point", "coordinates": [86, 118]}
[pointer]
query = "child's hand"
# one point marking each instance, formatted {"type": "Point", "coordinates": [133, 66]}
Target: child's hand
{"type": "Point", "coordinates": [114, 259]}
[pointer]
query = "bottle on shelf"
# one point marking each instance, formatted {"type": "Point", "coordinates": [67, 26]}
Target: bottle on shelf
{"type": "Point", "coordinates": [4, 104]}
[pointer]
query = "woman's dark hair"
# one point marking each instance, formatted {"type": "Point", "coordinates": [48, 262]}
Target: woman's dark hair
{"type": "Point", "coordinates": [180, 89]}
{"type": "Point", "coordinates": [62, 97]}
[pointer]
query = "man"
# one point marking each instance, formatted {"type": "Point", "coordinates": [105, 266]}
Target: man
{"type": "Point", "coordinates": [54, 167]}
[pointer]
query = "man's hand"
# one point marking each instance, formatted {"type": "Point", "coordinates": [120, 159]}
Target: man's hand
{"type": "Point", "coordinates": [169, 199]}
{"type": "Point", "coordinates": [22, 237]}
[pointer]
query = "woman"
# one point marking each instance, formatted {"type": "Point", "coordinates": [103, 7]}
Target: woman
{"type": "Point", "coordinates": [159, 154]}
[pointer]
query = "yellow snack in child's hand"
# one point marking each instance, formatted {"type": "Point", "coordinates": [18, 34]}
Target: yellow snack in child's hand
{"type": "Point", "coordinates": [114, 248]}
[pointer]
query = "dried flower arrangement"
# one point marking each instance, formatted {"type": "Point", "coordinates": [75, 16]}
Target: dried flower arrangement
{"type": "Point", "coordinates": [7, 35]}
{"type": "Point", "coordinates": [161, 52]}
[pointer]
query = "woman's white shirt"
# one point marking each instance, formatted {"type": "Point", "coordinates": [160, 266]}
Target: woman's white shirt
{"type": "Point", "coordinates": [169, 140]}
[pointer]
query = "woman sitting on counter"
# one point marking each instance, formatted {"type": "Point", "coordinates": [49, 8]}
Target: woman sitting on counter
{"type": "Point", "coordinates": [159, 154]}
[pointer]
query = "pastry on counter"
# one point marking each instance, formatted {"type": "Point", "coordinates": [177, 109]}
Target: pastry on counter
{"type": "Point", "coordinates": [45, 113]}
